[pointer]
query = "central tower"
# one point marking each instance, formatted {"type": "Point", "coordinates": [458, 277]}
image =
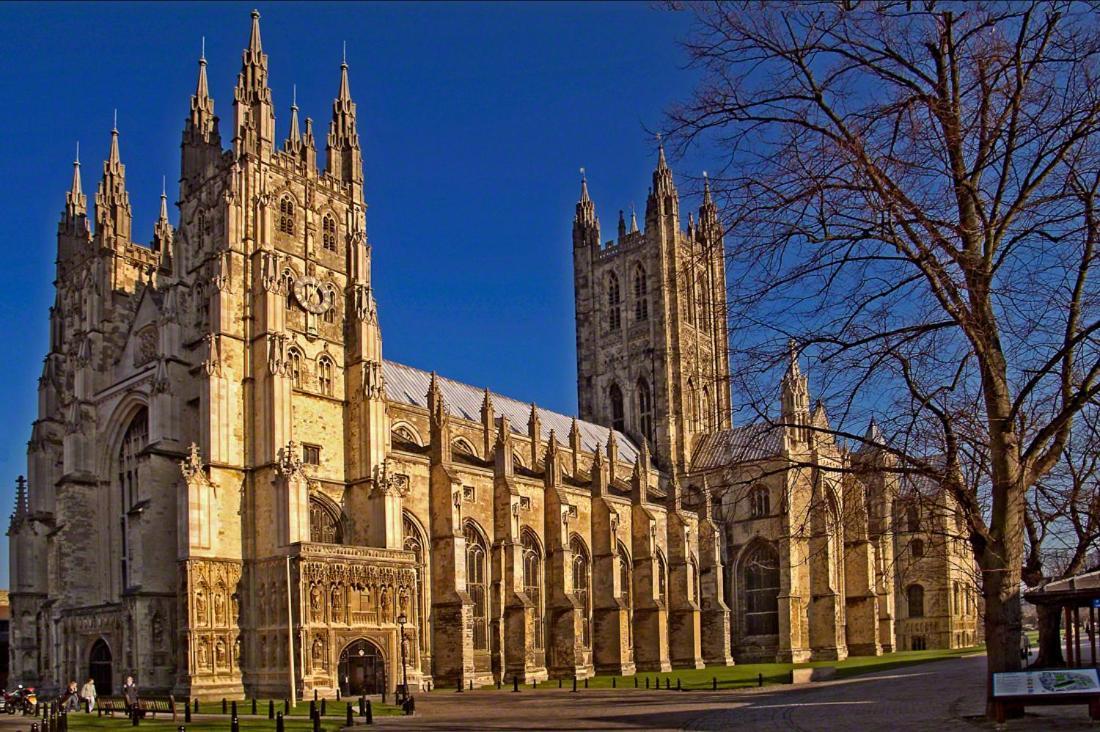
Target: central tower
{"type": "Point", "coordinates": [652, 356]}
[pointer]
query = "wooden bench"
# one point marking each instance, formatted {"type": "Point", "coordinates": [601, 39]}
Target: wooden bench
{"type": "Point", "coordinates": [110, 704]}
{"type": "Point", "coordinates": [152, 705]}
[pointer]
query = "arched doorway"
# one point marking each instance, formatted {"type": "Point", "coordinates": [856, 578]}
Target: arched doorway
{"type": "Point", "coordinates": [99, 668]}
{"type": "Point", "coordinates": [362, 669]}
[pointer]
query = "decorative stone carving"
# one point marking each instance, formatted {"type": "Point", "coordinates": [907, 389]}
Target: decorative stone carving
{"type": "Point", "coordinates": [145, 347]}
{"type": "Point", "coordinates": [388, 483]}
{"type": "Point", "coordinates": [374, 385]}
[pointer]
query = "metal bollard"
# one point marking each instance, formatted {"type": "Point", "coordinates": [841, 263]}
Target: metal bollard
{"type": "Point", "coordinates": [370, 713]}
{"type": "Point", "coordinates": [384, 692]}
{"type": "Point", "coordinates": [647, 682]}
{"type": "Point", "coordinates": [586, 682]}
{"type": "Point", "coordinates": [760, 679]}
{"type": "Point", "coordinates": [714, 683]}
{"type": "Point", "coordinates": [196, 706]}
{"type": "Point", "coordinates": [515, 684]}
{"type": "Point", "coordinates": [271, 709]}
{"type": "Point", "coordinates": [349, 719]}
{"type": "Point", "coordinates": [314, 695]}
{"type": "Point", "coordinates": [312, 709]}
{"type": "Point", "coordinates": [635, 682]}
{"type": "Point", "coordinates": [337, 693]}
{"type": "Point", "coordinates": [234, 725]}
{"type": "Point", "coordinates": [225, 706]}
{"type": "Point", "coordinates": [253, 707]}
{"type": "Point", "coordinates": [316, 723]}
{"type": "Point", "coordinates": [668, 684]}
{"type": "Point", "coordinates": [471, 685]}
{"type": "Point", "coordinates": [460, 686]}
{"type": "Point", "coordinates": [613, 682]}
{"type": "Point", "coordinates": [187, 713]}
{"type": "Point", "coordinates": [233, 709]}
{"type": "Point", "coordinates": [323, 712]}
{"type": "Point", "coordinates": [678, 688]}
{"type": "Point", "coordinates": [286, 706]}
{"type": "Point", "coordinates": [279, 722]}
{"type": "Point", "coordinates": [574, 682]}
{"type": "Point", "coordinates": [362, 706]}
{"type": "Point", "coordinates": [498, 683]}
{"type": "Point", "coordinates": [559, 683]}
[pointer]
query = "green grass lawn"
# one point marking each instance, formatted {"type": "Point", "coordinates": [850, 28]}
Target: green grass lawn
{"type": "Point", "coordinates": [749, 674]}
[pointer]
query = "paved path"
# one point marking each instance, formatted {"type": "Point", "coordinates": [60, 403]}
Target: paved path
{"type": "Point", "coordinates": [943, 695]}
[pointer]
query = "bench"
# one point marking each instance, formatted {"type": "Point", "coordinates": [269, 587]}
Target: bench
{"type": "Point", "coordinates": [147, 705]}
{"type": "Point", "coordinates": [110, 704]}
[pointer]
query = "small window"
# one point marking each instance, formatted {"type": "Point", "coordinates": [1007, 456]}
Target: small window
{"type": "Point", "coordinates": [912, 517]}
{"type": "Point", "coordinates": [915, 600]}
{"type": "Point", "coordinates": [618, 420]}
{"type": "Point", "coordinates": [916, 547]}
{"type": "Point", "coordinates": [614, 318]}
{"type": "Point", "coordinates": [286, 284]}
{"type": "Point", "coordinates": [641, 299]}
{"type": "Point", "coordinates": [311, 454]}
{"type": "Point", "coordinates": [325, 375]}
{"type": "Point", "coordinates": [330, 313]}
{"type": "Point", "coordinates": [645, 411]}
{"type": "Point", "coordinates": [328, 233]}
{"type": "Point", "coordinates": [295, 359]}
{"type": "Point", "coordinates": [286, 215]}
{"type": "Point", "coordinates": [760, 501]}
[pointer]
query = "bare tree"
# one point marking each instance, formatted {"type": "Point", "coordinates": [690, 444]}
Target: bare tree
{"type": "Point", "coordinates": [1062, 523]}
{"type": "Point", "coordinates": [910, 194]}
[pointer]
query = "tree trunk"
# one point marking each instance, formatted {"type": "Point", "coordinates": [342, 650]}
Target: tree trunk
{"type": "Point", "coordinates": [1050, 644]}
{"type": "Point", "coordinates": [1001, 590]}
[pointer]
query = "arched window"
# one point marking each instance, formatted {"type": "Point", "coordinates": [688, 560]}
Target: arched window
{"type": "Point", "coordinates": [324, 523]}
{"type": "Point", "coordinates": [328, 233]}
{"type": "Point", "coordinates": [614, 315]}
{"type": "Point", "coordinates": [957, 607]}
{"type": "Point", "coordinates": [915, 596]}
{"type": "Point", "coordinates": [912, 517]}
{"type": "Point", "coordinates": [462, 446]}
{"type": "Point", "coordinates": [415, 543]}
{"type": "Point", "coordinates": [581, 587]}
{"type": "Point", "coordinates": [645, 411]}
{"type": "Point", "coordinates": [294, 361]}
{"type": "Point", "coordinates": [476, 586]}
{"type": "Point", "coordinates": [286, 215]}
{"type": "Point", "coordinates": [330, 299]}
{"type": "Point", "coordinates": [626, 590]}
{"type": "Point", "coordinates": [618, 419]}
{"type": "Point", "coordinates": [916, 547]}
{"type": "Point", "coordinates": [325, 375]}
{"type": "Point", "coordinates": [286, 284]}
{"type": "Point", "coordinates": [202, 306]}
{"type": "Point", "coordinates": [641, 299]}
{"type": "Point", "coordinates": [759, 501]}
{"type": "Point", "coordinates": [693, 580]}
{"type": "Point", "coordinates": [532, 583]}
{"type": "Point", "coordinates": [704, 303]}
{"type": "Point", "coordinates": [134, 441]}
{"type": "Point", "coordinates": [692, 406]}
{"type": "Point", "coordinates": [760, 570]}
{"type": "Point", "coordinates": [662, 577]}
{"type": "Point", "coordinates": [707, 413]}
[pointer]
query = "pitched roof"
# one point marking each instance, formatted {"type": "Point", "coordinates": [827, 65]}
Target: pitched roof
{"type": "Point", "coordinates": [737, 445]}
{"type": "Point", "coordinates": [409, 385]}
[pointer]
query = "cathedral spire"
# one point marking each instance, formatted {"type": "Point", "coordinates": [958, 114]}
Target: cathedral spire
{"type": "Point", "coordinates": [255, 129]}
{"type": "Point", "coordinates": [586, 227]}
{"type": "Point", "coordinates": [708, 212]}
{"type": "Point", "coordinates": [293, 144]}
{"type": "Point", "coordinates": [202, 123]}
{"type": "Point", "coordinates": [162, 230]}
{"type": "Point", "coordinates": [76, 203]}
{"type": "Point", "coordinates": [663, 199]}
{"type": "Point", "coordinates": [345, 160]}
{"type": "Point", "coordinates": [112, 203]}
{"type": "Point", "coordinates": [633, 219]}
{"type": "Point", "coordinates": [795, 396]}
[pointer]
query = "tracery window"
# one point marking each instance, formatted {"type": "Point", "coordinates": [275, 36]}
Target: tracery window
{"type": "Point", "coordinates": [618, 418]}
{"type": "Point", "coordinates": [760, 569]}
{"type": "Point", "coordinates": [325, 375]}
{"type": "Point", "coordinates": [475, 586]}
{"type": "Point", "coordinates": [414, 542]}
{"type": "Point", "coordinates": [330, 314]}
{"type": "Point", "coordinates": [645, 410]}
{"type": "Point", "coordinates": [286, 215]}
{"type": "Point", "coordinates": [532, 583]}
{"type": "Point", "coordinates": [708, 422]}
{"type": "Point", "coordinates": [134, 441]}
{"type": "Point", "coordinates": [294, 359]}
{"type": "Point", "coordinates": [914, 595]}
{"type": "Point", "coordinates": [324, 523]}
{"type": "Point", "coordinates": [693, 421]}
{"type": "Point", "coordinates": [662, 577]}
{"type": "Point", "coordinates": [641, 299]}
{"type": "Point", "coordinates": [614, 315]}
{"type": "Point", "coordinates": [328, 233]}
{"type": "Point", "coordinates": [581, 587]}
{"type": "Point", "coordinates": [759, 501]}
{"type": "Point", "coordinates": [693, 580]}
{"type": "Point", "coordinates": [286, 284]}
{"type": "Point", "coordinates": [626, 590]}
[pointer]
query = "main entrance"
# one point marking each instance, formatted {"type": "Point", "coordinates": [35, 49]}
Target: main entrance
{"type": "Point", "coordinates": [362, 669]}
{"type": "Point", "coordinates": [99, 668]}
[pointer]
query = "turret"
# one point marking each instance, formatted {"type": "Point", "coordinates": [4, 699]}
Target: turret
{"type": "Point", "coordinates": [202, 143]}
{"type": "Point", "coordinates": [113, 215]}
{"type": "Point", "coordinates": [295, 144]}
{"type": "Point", "coordinates": [663, 198]}
{"type": "Point", "coordinates": [163, 232]}
{"type": "Point", "coordinates": [708, 215]}
{"type": "Point", "coordinates": [74, 217]}
{"type": "Point", "coordinates": [586, 227]}
{"type": "Point", "coordinates": [345, 160]}
{"type": "Point", "coordinates": [795, 397]}
{"type": "Point", "coordinates": [255, 116]}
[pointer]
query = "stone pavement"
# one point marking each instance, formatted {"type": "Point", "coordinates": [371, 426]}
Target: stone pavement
{"type": "Point", "coordinates": [943, 695]}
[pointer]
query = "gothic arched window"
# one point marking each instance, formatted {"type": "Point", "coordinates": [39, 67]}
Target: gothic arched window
{"type": "Point", "coordinates": [330, 298]}
{"type": "Point", "coordinates": [324, 523]}
{"type": "Point", "coordinates": [134, 441]}
{"type": "Point", "coordinates": [581, 587]}
{"type": "Point", "coordinates": [614, 316]}
{"type": "Point", "coordinates": [759, 501]}
{"type": "Point", "coordinates": [641, 299]}
{"type": "Point", "coordinates": [645, 410]}
{"type": "Point", "coordinates": [294, 361]}
{"type": "Point", "coordinates": [476, 586]}
{"type": "Point", "coordinates": [286, 215]}
{"type": "Point", "coordinates": [693, 406]}
{"type": "Point", "coordinates": [914, 595]}
{"type": "Point", "coordinates": [760, 569]}
{"type": "Point", "coordinates": [706, 421]}
{"type": "Point", "coordinates": [325, 371]}
{"type": "Point", "coordinates": [532, 583]}
{"type": "Point", "coordinates": [626, 590]}
{"type": "Point", "coordinates": [286, 284]}
{"type": "Point", "coordinates": [328, 233]}
{"type": "Point", "coordinates": [662, 577]}
{"type": "Point", "coordinates": [693, 580]}
{"type": "Point", "coordinates": [618, 418]}
{"type": "Point", "coordinates": [916, 548]}
{"type": "Point", "coordinates": [415, 543]}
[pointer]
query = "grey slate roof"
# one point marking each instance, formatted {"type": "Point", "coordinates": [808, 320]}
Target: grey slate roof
{"type": "Point", "coordinates": [409, 385]}
{"type": "Point", "coordinates": [737, 445]}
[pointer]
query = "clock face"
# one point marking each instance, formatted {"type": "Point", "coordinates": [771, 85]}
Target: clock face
{"type": "Point", "coordinates": [311, 296]}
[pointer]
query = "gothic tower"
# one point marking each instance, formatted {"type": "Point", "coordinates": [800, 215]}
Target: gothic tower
{"type": "Point", "coordinates": [652, 357]}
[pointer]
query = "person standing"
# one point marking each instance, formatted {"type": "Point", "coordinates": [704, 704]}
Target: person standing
{"type": "Point", "coordinates": [87, 694]}
{"type": "Point", "coordinates": [130, 694]}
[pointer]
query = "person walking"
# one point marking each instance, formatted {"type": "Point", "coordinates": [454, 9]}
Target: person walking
{"type": "Point", "coordinates": [87, 694]}
{"type": "Point", "coordinates": [130, 695]}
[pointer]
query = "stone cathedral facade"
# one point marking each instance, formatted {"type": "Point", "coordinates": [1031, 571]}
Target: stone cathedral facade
{"type": "Point", "coordinates": [231, 491]}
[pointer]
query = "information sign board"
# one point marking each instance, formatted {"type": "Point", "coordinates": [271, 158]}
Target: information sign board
{"type": "Point", "coordinates": [1046, 682]}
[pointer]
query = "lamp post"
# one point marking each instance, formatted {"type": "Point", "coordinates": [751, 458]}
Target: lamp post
{"type": "Point", "coordinates": [401, 620]}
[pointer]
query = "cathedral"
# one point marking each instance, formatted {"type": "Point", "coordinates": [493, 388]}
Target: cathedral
{"type": "Point", "coordinates": [230, 491]}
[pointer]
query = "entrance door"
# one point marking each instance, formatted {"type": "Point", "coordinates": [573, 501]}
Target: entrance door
{"type": "Point", "coordinates": [362, 669]}
{"type": "Point", "coordinates": [99, 668]}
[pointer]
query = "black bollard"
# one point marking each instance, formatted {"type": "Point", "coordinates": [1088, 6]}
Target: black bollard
{"type": "Point", "coordinates": [323, 712]}
{"type": "Point", "coordinates": [498, 683]}
{"type": "Point", "coordinates": [714, 683]}
{"type": "Point", "coordinates": [362, 706]}
{"type": "Point", "coordinates": [760, 679]}
{"type": "Point", "coordinates": [314, 695]}
{"type": "Point", "coordinates": [34, 727]}
{"type": "Point", "coordinates": [586, 682]}
{"type": "Point", "coordinates": [612, 682]}
{"type": "Point", "coordinates": [535, 684]}
{"type": "Point", "coordinates": [286, 706]}
{"type": "Point", "coordinates": [559, 683]}
{"type": "Point", "coordinates": [460, 686]}
{"type": "Point", "coordinates": [253, 707]}
{"type": "Point", "coordinates": [271, 709]}
{"type": "Point", "coordinates": [370, 713]}
{"type": "Point", "coordinates": [678, 684]}
{"type": "Point", "coordinates": [471, 684]}
{"type": "Point", "coordinates": [337, 693]}
{"type": "Point", "coordinates": [635, 682]}
{"type": "Point", "coordinates": [316, 723]}
{"type": "Point", "coordinates": [668, 684]}
{"type": "Point", "coordinates": [234, 709]}
{"type": "Point", "coordinates": [312, 709]}
{"type": "Point", "coordinates": [574, 682]}
{"type": "Point", "coordinates": [187, 713]}
{"type": "Point", "coordinates": [384, 692]}
{"type": "Point", "coordinates": [515, 684]}
{"type": "Point", "coordinates": [349, 720]}
{"type": "Point", "coordinates": [279, 722]}
{"type": "Point", "coordinates": [225, 706]}
{"type": "Point", "coordinates": [234, 725]}
{"type": "Point", "coordinates": [196, 706]}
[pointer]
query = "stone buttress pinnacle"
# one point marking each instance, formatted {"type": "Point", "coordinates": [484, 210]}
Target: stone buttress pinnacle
{"type": "Point", "coordinates": [112, 203]}
{"type": "Point", "coordinates": [76, 203]}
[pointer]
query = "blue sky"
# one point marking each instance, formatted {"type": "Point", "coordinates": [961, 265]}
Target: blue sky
{"type": "Point", "coordinates": [474, 121]}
